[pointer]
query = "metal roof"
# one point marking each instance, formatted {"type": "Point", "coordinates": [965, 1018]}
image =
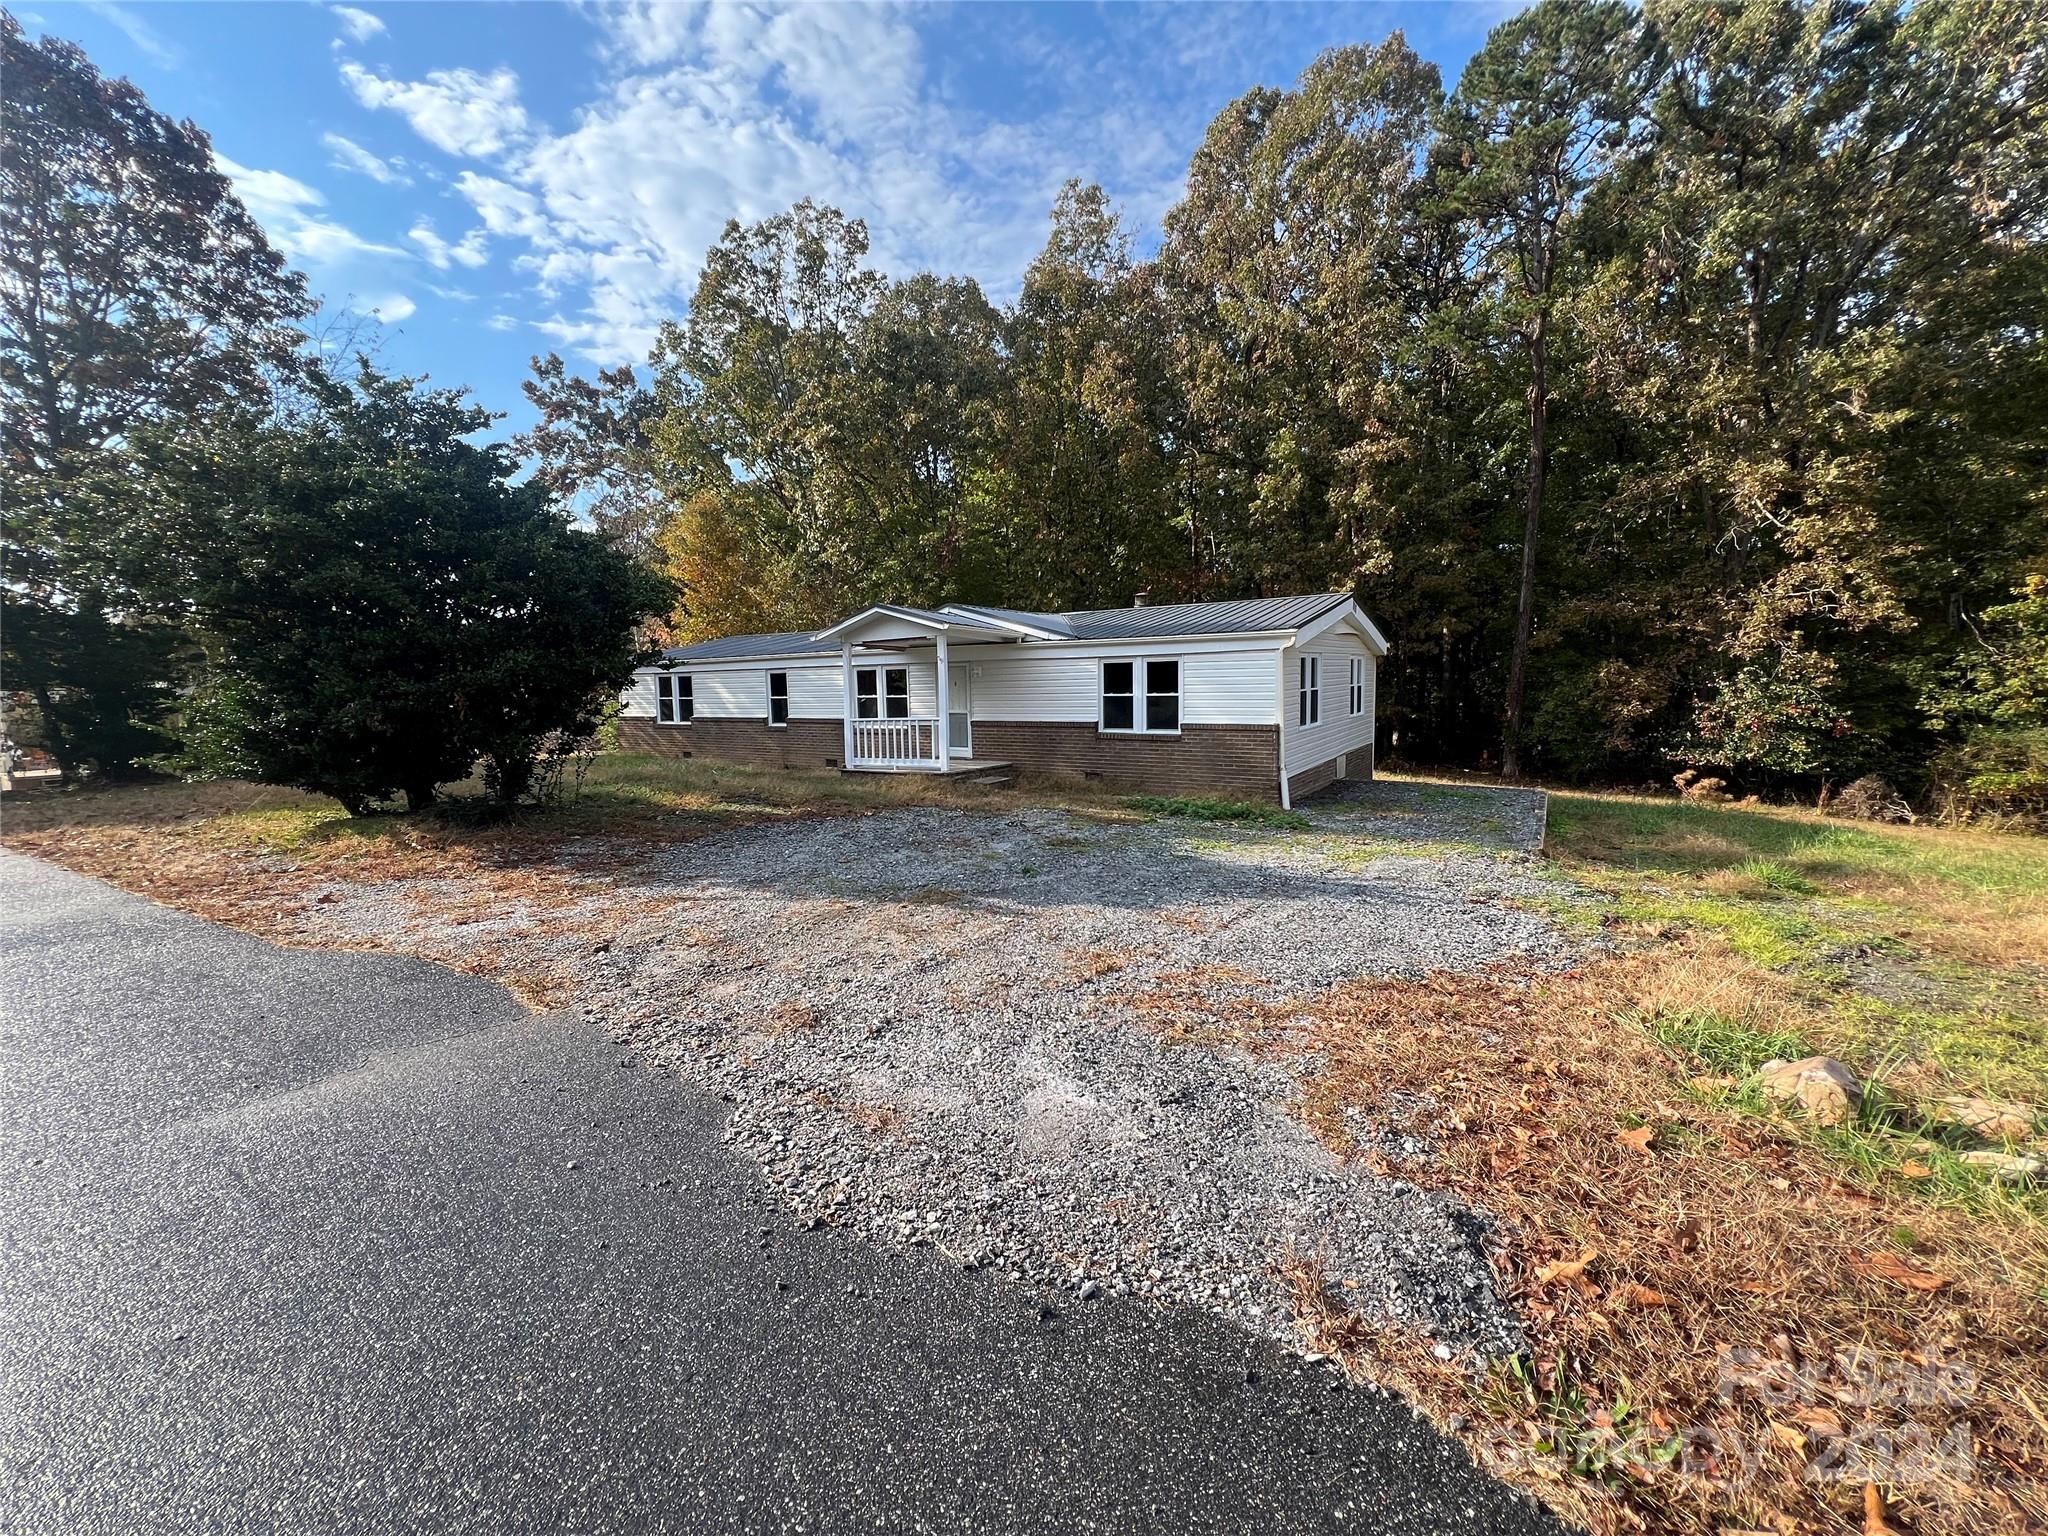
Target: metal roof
{"type": "Point", "coordinates": [956, 618]}
{"type": "Point", "coordinates": [1051, 623]}
{"type": "Point", "coordinates": [803, 642]}
{"type": "Point", "coordinates": [1167, 621]}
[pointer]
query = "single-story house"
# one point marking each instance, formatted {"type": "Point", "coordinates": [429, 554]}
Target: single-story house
{"type": "Point", "coordinates": [1269, 699]}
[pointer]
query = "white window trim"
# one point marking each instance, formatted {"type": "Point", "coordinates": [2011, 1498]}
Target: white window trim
{"type": "Point", "coordinates": [1140, 680]}
{"type": "Point", "coordinates": [1357, 686]}
{"type": "Point", "coordinates": [679, 690]}
{"type": "Point", "coordinates": [1308, 708]}
{"type": "Point", "coordinates": [773, 723]}
{"type": "Point", "coordinates": [882, 695]}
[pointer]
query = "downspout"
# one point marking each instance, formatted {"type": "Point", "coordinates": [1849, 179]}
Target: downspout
{"type": "Point", "coordinates": [1280, 677]}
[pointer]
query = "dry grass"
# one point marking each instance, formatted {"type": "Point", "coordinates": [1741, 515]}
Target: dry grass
{"type": "Point", "coordinates": [1705, 1290]}
{"type": "Point", "coordinates": [277, 864]}
{"type": "Point", "coordinates": [876, 1119]}
{"type": "Point", "coordinates": [1708, 1289]}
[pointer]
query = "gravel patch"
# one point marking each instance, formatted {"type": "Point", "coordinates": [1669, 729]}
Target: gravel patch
{"type": "Point", "coordinates": [1487, 817]}
{"type": "Point", "coordinates": [929, 1024]}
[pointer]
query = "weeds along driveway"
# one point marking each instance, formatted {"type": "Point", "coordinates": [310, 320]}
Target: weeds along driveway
{"type": "Point", "coordinates": [1048, 1043]}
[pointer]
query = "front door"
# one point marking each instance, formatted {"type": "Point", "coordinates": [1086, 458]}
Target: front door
{"type": "Point", "coordinates": [960, 710]}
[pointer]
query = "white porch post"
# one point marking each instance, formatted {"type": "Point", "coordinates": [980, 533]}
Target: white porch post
{"type": "Point", "coordinates": [945, 708]}
{"type": "Point", "coordinates": [846, 706]}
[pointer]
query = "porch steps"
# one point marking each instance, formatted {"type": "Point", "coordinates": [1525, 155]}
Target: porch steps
{"type": "Point", "coordinates": [967, 770]}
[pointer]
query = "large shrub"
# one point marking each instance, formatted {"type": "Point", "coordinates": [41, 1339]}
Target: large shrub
{"type": "Point", "coordinates": [383, 607]}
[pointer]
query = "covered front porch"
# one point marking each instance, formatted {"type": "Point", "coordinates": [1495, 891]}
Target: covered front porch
{"type": "Point", "coordinates": [891, 724]}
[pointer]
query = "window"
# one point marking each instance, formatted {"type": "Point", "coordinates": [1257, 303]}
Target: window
{"type": "Point", "coordinates": [882, 691]}
{"type": "Point", "coordinates": [1161, 695]}
{"type": "Point", "coordinates": [1358, 685]}
{"type": "Point", "coordinates": [1311, 690]}
{"type": "Point", "coordinates": [675, 698]}
{"type": "Point", "coordinates": [778, 698]}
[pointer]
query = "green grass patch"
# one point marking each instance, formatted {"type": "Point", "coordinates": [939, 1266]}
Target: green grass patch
{"type": "Point", "coordinates": [1724, 1044]}
{"type": "Point", "coordinates": [1677, 838]}
{"type": "Point", "coordinates": [1198, 808]}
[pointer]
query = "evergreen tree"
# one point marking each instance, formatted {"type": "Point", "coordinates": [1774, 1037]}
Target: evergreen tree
{"type": "Point", "coordinates": [382, 607]}
{"type": "Point", "coordinates": [135, 293]}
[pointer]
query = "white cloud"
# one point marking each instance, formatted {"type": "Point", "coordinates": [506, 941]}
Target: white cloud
{"type": "Point", "coordinates": [457, 110]}
{"type": "Point", "coordinates": [467, 252]}
{"type": "Point", "coordinates": [504, 208]}
{"type": "Point", "coordinates": [390, 307]}
{"type": "Point", "coordinates": [284, 206]}
{"type": "Point", "coordinates": [136, 30]}
{"type": "Point", "coordinates": [360, 25]}
{"type": "Point", "coordinates": [737, 110]}
{"type": "Point", "coordinates": [269, 194]}
{"type": "Point", "coordinates": [325, 242]}
{"type": "Point", "coordinates": [502, 322]}
{"type": "Point", "coordinates": [346, 154]}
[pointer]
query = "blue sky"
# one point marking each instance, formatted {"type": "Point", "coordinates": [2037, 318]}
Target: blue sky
{"type": "Point", "coordinates": [496, 180]}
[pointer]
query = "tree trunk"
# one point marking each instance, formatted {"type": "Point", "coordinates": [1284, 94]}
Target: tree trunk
{"type": "Point", "coordinates": [418, 797]}
{"type": "Point", "coordinates": [1525, 607]}
{"type": "Point", "coordinates": [55, 741]}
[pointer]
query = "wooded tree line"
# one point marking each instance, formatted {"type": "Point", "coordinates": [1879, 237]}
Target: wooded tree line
{"type": "Point", "coordinates": [226, 552]}
{"type": "Point", "coordinates": [1673, 389]}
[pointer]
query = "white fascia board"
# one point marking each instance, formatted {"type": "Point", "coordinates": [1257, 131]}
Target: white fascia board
{"type": "Point", "coordinates": [1183, 645]}
{"type": "Point", "coordinates": [897, 615]}
{"type": "Point", "coordinates": [969, 611]}
{"type": "Point", "coordinates": [751, 663]}
{"type": "Point", "coordinates": [1347, 615]}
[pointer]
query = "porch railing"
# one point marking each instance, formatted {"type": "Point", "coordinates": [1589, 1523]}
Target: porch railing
{"type": "Point", "coordinates": [902, 742]}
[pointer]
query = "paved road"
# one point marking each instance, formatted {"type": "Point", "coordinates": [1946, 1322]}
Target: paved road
{"type": "Point", "coordinates": [319, 1242]}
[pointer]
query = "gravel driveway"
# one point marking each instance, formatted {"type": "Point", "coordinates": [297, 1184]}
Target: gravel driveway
{"type": "Point", "coordinates": [315, 1242]}
{"type": "Point", "coordinates": [945, 1027]}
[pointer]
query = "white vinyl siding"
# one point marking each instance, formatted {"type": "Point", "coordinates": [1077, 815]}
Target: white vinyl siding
{"type": "Point", "coordinates": [1338, 731]}
{"type": "Point", "coordinates": [1220, 683]}
{"type": "Point", "coordinates": [636, 702]}
{"type": "Point", "coordinates": [1217, 686]}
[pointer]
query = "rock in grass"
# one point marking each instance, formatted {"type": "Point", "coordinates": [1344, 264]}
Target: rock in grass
{"type": "Point", "coordinates": [2005, 1167]}
{"type": "Point", "coordinates": [1820, 1085]}
{"type": "Point", "coordinates": [1992, 1119]}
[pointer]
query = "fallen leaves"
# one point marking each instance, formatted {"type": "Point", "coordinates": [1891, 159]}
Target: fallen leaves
{"type": "Point", "coordinates": [1571, 1270]}
{"type": "Point", "coordinates": [1899, 1270]}
{"type": "Point", "coordinates": [1637, 1139]}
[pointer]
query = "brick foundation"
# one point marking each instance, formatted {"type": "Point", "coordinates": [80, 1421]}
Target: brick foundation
{"type": "Point", "coordinates": [1310, 781]}
{"type": "Point", "coordinates": [1241, 762]}
{"type": "Point", "coordinates": [1238, 761]}
{"type": "Point", "coordinates": [800, 744]}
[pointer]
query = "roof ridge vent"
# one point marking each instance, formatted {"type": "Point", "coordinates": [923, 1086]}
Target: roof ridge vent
{"type": "Point", "coordinates": [1142, 598]}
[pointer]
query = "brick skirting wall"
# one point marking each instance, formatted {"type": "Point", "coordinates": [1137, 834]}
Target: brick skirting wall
{"type": "Point", "coordinates": [1352, 765]}
{"type": "Point", "coordinates": [1241, 761]}
{"type": "Point", "coordinates": [1305, 783]}
{"type": "Point", "coordinates": [800, 744]}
